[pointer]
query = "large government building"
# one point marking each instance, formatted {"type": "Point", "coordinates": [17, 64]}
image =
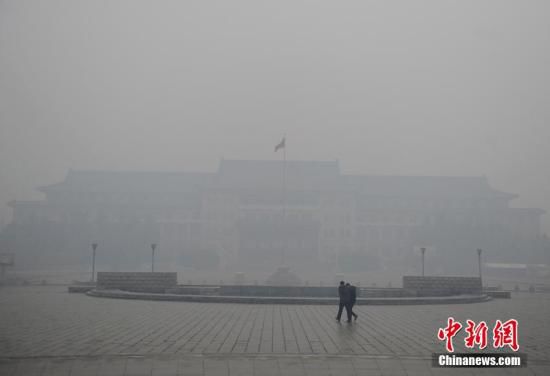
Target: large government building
{"type": "Point", "coordinates": [256, 214]}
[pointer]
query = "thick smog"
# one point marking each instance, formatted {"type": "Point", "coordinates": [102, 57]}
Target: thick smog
{"type": "Point", "coordinates": [274, 188]}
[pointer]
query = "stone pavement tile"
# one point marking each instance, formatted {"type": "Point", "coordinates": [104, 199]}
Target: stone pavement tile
{"type": "Point", "coordinates": [291, 366]}
{"type": "Point", "coordinates": [314, 363]}
{"type": "Point", "coordinates": [191, 367]}
{"type": "Point", "coordinates": [390, 366]}
{"type": "Point", "coordinates": [341, 366]}
{"type": "Point", "coordinates": [505, 371]}
{"type": "Point", "coordinates": [423, 370]}
{"type": "Point", "coordinates": [8, 367]}
{"type": "Point", "coordinates": [30, 367]}
{"type": "Point", "coordinates": [435, 371]}
{"type": "Point", "coordinates": [369, 372]}
{"type": "Point", "coordinates": [541, 370]}
{"type": "Point", "coordinates": [415, 364]}
{"type": "Point", "coordinates": [418, 373]}
{"type": "Point", "coordinates": [85, 367]}
{"type": "Point", "coordinates": [216, 367]}
{"type": "Point", "coordinates": [58, 367]}
{"type": "Point", "coordinates": [318, 372]}
{"type": "Point", "coordinates": [165, 367]}
{"type": "Point", "coordinates": [512, 371]}
{"type": "Point", "coordinates": [240, 366]}
{"type": "Point", "coordinates": [82, 326]}
{"type": "Point", "coordinates": [365, 364]}
{"type": "Point", "coordinates": [316, 366]}
{"type": "Point", "coordinates": [266, 367]}
{"type": "Point", "coordinates": [138, 366]}
{"type": "Point", "coordinates": [392, 372]}
{"type": "Point", "coordinates": [509, 371]}
{"type": "Point", "coordinates": [112, 367]}
{"type": "Point", "coordinates": [337, 363]}
{"type": "Point", "coordinates": [247, 366]}
{"type": "Point", "coordinates": [390, 362]}
{"type": "Point", "coordinates": [487, 371]}
{"type": "Point", "coordinates": [345, 372]}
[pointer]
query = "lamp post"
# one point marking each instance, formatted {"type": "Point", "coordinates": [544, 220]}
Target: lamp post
{"type": "Point", "coordinates": [479, 263]}
{"type": "Point", "coordinates": [94, 247]}
{"type": "Point", "coordinates": [423, 251]}
{"type": "Point", "coordinates": [153, 247]}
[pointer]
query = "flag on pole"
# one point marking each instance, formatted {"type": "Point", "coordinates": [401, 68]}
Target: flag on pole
{"type": "Point", "coordinates": [280, 145]}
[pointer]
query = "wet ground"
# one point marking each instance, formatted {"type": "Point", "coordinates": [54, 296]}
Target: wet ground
{"type": "Point", "coordinates": [45, 330]}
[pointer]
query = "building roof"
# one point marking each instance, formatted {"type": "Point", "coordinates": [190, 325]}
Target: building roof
{"type": "Point", "coordinates": [299, 175]}
{"type": "Point", "coordinates": [268, 174]}
{"type": "Point", "coordinates": [419, 186]}
{"type": "Point", "coordinates": [130, 181]}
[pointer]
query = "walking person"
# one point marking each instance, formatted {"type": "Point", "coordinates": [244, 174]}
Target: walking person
{"type": "Point", "coordinates": [352, 299]}
{"type": "Point", "coordinates": [344, 294]}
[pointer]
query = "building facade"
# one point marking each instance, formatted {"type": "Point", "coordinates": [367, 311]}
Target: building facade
{"type": "Point", "coordinates": [256, 214]}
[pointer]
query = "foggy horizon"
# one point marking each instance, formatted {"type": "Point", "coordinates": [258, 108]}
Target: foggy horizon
{"type": "Point", "coordinates": [289, 187]}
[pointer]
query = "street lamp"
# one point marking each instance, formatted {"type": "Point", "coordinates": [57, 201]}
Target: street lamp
{"type": "Point", "coordinates": [94, 247]}
{"type": "Point", "coordinates": [479, 263]}
{"type": "Point", "coordinates": [423, 251]}
{"type": "Point", "coordinates": [153, 247]}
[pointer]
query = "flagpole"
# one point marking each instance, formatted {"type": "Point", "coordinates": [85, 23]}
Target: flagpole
{"type": "Point", "coordinates": [284, 204]}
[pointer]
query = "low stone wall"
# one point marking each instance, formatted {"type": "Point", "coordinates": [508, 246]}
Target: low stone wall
{"type": "Point", "coordinates": [80, 288]}
{"type": "Point", "coordinates": [308, 291]}
{"type": "Point", "coordinates": [413, 286]}
{"type": "Point", "coordinates": [279, 291]}
{"type": "Point", "coordinates": [499, 294]}
{"type": "Point", "coordinates": [287, 291]}
{"type": "Point", "coordinates": [461, 299]}
{"type": "Point", "coordinates": [137, 281]}
{"type": "Point", "coordinates": [442, 286]}
{"type": "Point", "coordinates": [384, 292]}
{"type": "Point", "coordinates": [194, 290]}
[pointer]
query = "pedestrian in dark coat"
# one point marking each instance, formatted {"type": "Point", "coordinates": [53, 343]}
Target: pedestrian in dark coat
{"type": "Point", "coordinates": [352, 299]}
{"type": "Point", "coordinates": [344, 294]}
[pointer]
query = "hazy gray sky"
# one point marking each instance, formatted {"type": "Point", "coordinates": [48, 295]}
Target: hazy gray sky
{"type": "Point", "coordinates": [387, 87]}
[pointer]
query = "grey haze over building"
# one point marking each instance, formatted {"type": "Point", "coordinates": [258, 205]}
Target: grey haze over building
{"type": "Point", "coordinates": [417, 88]}
{"type": "Point", "coordinates": [251, 215]}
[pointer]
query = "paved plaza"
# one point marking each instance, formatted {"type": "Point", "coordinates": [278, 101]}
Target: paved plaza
{"type": "Point", "coordinates": [46, 331]}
